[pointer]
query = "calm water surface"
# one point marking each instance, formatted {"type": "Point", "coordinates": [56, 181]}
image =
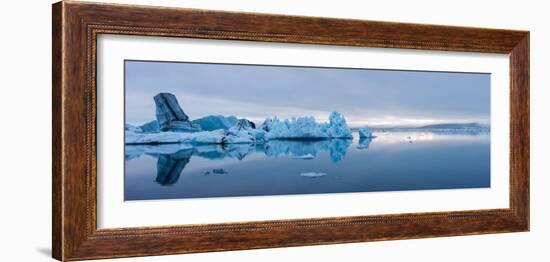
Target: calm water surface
{"type": "Point", "coordinates": [391, 162]}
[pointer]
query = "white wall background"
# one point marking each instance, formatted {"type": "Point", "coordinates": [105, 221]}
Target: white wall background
{"type": "Point", "coordinates": [25, 187]}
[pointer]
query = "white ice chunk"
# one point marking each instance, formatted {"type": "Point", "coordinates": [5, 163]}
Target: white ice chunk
{"type": "Point", "coordinates": [313, 174]}
{"type": "Point", "coordinates": [306, 156]}
{"type": "Point", "coordinates": [307, 128]}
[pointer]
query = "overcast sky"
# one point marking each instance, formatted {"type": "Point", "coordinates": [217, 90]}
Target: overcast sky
{"type": "Point", "coordinates": [375, 97]}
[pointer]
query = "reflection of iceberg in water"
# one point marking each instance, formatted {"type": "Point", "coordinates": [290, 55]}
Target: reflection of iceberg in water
{"type": "Point", "coordinates": [238, 151]}
{"type": "Point", "coordinates": [172, 158]}
{"type": "Point", "coordinates": [364, 143]}
{"type": "Point", "coordinates": [296, 148]}
{"type": "Point", "coordinates": [170, 166]}
{"type": "Point", "coordinates": [337, 148]}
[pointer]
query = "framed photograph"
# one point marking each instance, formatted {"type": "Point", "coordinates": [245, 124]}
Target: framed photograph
{"type": "Point", "coordinates": [183, 130]}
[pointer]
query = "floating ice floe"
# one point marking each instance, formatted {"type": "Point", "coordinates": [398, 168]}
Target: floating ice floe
{"type": "Point", "coordinates": [306, 156]}
{"type": "Point", "coordinates": [216, 171]}
{"type": "Point", "coordinates": [313, 174]}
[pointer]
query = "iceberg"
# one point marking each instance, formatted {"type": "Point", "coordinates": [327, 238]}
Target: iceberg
{"type": "Point", "coordinates": [172, 126]}
{"type": "Point", "coordinates": [337, 126]}
{"type": "Point", "coordinates": [238, 134]}
{"type": "Point", "coordinates": [307, 128]}
{"type": "Point", "coordinates": [266, 125]}
{"type": "Point", "coordinates": [244, 132]}
{"type": "Point", "coordinates": [295, 128]}
{"type": "Point", "coordinates": [365, 132]}
{"type": "Point", "coordinates": [214, 122]}
{"type": "Point", "coordinates": [170, 116]}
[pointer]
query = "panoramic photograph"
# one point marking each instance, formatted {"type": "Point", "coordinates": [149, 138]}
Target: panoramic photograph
{"type": "Point", "coordinates": [203, 130]}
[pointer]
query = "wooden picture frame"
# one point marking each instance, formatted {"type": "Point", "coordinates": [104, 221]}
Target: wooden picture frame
{"type": "Point", "coordinates": [76, 26]}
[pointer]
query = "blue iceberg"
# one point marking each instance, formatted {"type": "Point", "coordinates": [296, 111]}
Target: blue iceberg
{"type": "Point", "coordinates": [214, 122]}
{"type": "Point", "coordinates": [307, 128]}
{"type": "Point", "coordinates": [173, 126]}
{"type": "Point", "coordinates": [151, 127]}
{"type": "Point", "coordinates": [365, 132]}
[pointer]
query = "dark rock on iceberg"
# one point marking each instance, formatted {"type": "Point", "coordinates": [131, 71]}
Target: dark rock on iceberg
{"type": "Point", "coordinates": [170, 116]}
{"type": "Point", "coordinates": [216, 171]}
{"type": "Point", "coordinates": [266, 125]}
{"type": "Point", "coordinates": [244, 132]}
{"type": "Point", "coordinates": [246, 123]}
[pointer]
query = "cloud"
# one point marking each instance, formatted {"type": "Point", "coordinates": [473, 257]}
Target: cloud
{"type": "Point", "coordinates": [257, 92]}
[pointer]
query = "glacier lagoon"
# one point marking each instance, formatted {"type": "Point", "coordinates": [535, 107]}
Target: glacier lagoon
{"type": "Point", "coordinates": [395, 160]}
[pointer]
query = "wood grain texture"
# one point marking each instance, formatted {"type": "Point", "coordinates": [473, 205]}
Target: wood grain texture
{"type": "Point", "coordinates": [57, 191]}
{"type": "Point", "coordinates": [76, 26]}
